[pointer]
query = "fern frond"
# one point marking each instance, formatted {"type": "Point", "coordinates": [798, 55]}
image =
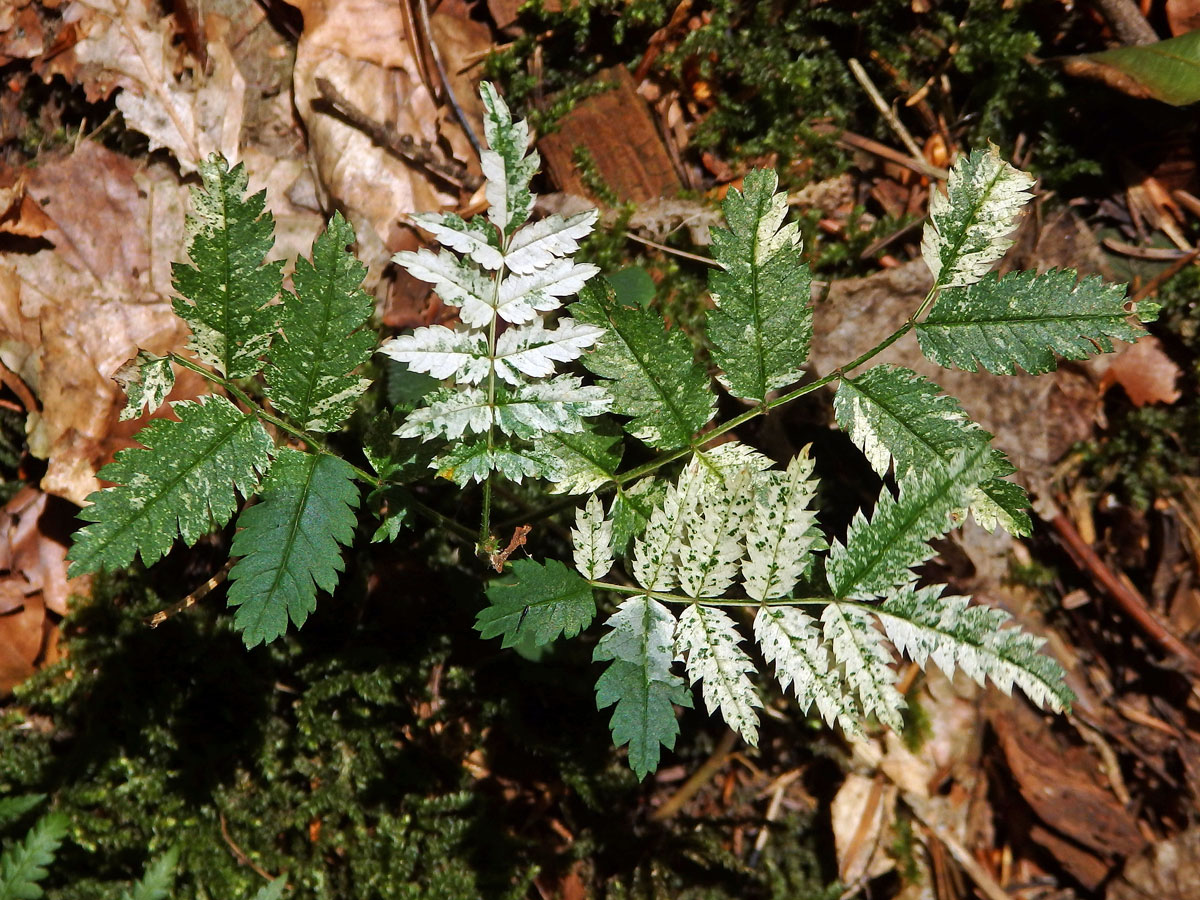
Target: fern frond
{"type": "Point", "coordinates": [12, 808]}
{"type": "Point", "coordinates": [923, 624]}
{"type": "Point", "coordinates": [589, 459]}
{"type": "Point", "coordinates": [969, 226]}
{"type": "Point", "coordinates": [653, 376]}
{"type": "Point", "coordinates": [537, 603]}
{"type": "Point", "coordinates": [709, 640]}
{"type": "Point", "coordinates": [858, 647]}
{"type": "Point", "coordinates": [592, 539]}
{"type": "Point", "coordinates": [182, 483]}
{"type": "Point", "coordinates": [762, 323]}
{"type": "Point", "coordinates": [290, 543]}
{"type": "Point", "coordinates": [505, 165]}
{"type": "Point", "coordinates": [782, 533]}
{"type": "Point", "coordinates": [639, 681]}
{"type": "Point", "coordinates": [791, 640]}
{"type": "Point", "coordinates": [1023, 319]}
{"type": "Point", "coordinates": [23, 865]}
{"type": "Point", "coordinates": [158, 880]}
{"type": "Point", "coordinates": [226, 290]}
{"type": "Point", "coordinates": [146, 380]}
{"type": "Point", "coordinates": [878, 553]}
{"type": "Point", "coordinates": [324, 338]}
{"type": "Point", "coordinates": [893, 413]}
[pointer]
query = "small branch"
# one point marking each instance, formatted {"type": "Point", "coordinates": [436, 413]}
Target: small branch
{"type": "Point", "coordinates": [850, 140]}
{"type": "Point", "coordinates": [1131, 602]}
{"type": "Point", "coordinates": [885, 110]}
{"type": "Point", "coordinates": [1127, 21]}
{"type": "Point", "coordinates": [239, 854]}
{"type": "Point", "coordinates": [698, 779]}
{"type": "Point", "coordinates": [191, 599]}
{"type": "Point", "coordinates": [694, 257]}
{"type": "Point", "coordinates": [14, 383]}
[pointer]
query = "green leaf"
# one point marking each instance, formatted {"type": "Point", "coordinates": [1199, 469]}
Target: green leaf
{"type": "Point", "coordinates": [392, 505]}
{"type": "Point", "coordinates": [1023, 319]}
{"type": "Point", "coordinates": [654, 377]}
{"type": "Point", "coordinates": [406, 388]}
{"type": "Point", "coordinates": [12, 808]}
{"type": "Point", "coordinates": [640, 682]}
{"type": "Point", "coordinates": [632, 508]}
{"type": "Point", "coordinates": [633, 286]}
{"type": "Point", "coordinates": [227, 289]}
{"type": "Point", "coordinates": [182, 483]}
{"type": "Point", "coordinates": [969, 225]}
{"type": "Point", "coordinates": [505, 165]}
{"type": "Point", "coordinates": [159, 879]}
{"type": "Point", "coordinates": [588, 459]}
{"type": "Point", "coordinates": [272, 891]}
{"type": "Point", "coordinates": [878, 553]}
{"type": "Point", "coordinates": [23, 865]}
{"type": "Point", "coordinates": [1166, 70]}
{"type": "Point", "coordinates": [893, 413]}
{"type": "Point", "coordinates": [542, 602]}
{"type": "Point", "coordinates": [324, 337]}
{"type": "Point", "coordinates": [762, 323]}
{"type": "Point", "coordinates": [289, 543]}
{"type": "Point", "coordinates": [146, 380]}
{"type": "Point", "coordinates": [923, 624]}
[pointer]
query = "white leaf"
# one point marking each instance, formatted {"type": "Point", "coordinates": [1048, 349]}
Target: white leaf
{"type": "Point", "coordinates": [654, 553]}
{"type": "Point", "coordinates": [730, 457]}
{"type": "Point", "coordinates": [442, 352]}
{"type": "Point", "coordinates": [969, 225]}
{"type": "Point", "coordinates": [782, 534]}
{"type": "Point", "coordinates": [709, 640]}
{"type": "Point", "coordinates": [592, 536]}
{"type": "Point", "coordinates": [790, 639]}
{"type": "Point", "coordinates": [643, 632]}
{"type": "Point", "coordinates": [859, 647]}
{"type": "Point", "coordinates": [449, 413]}
{"type": "Point", "coordinates": [507, 165]}
{"type": "Point", "coordinates": [533, 349]}
{"type": "Point", "coordinates": [550, 407]}
{"type": "Point", "coordinates": [712, 541]}
{"type": "Point", "coordinates": [456, 283]}
{"type": "Point", "coordinates": [539, 243]}
{"type": "Point", "coordinates": [471, 238]}
{"type": "Point", "coordinates": [522, 297]}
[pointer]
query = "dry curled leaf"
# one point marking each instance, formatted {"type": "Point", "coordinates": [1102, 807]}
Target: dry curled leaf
{"type": "Point", "coordinates": [1145, 372]}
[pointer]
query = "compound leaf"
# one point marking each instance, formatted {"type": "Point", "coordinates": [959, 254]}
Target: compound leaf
{"type": "Point", "coordinates": [923, 625]}
{"type": "Point", "coordinates": [589, 458]}
{"type": "Point", "coordinates": [640, 682]}
{"type": "Point", "coordinates": [158, 880]}
{"type": "Point", "coordinates": [762, 323]}
{"type": "Point", "coordinates": [226, 290]}
{"type": "Point", "coordinates": [1023, 319]}
{"type": "Point", "coordinates": [24, 864]}
{"type": "Point", "coordinates": [12, 808]}
{"type": "Point", "coordinates": [181, 483]}
{"type": "Point", "coordinates": [324, 337]}
{"type": "Point", "coordinates": [969, 225]}
{"type": "Point", "coordinates": [710, 641]}
{"type": "Point", "coordinates": [878, 553]}
{"type": "Point", "coordinates": [539, 603]}
{"type": "Point", "coordinates": [289, 543]}
{"type": "Point", "coordinates": [655, 378]}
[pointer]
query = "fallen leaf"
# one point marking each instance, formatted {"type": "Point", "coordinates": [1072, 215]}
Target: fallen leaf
{"type": "Point", "coordinates": [21, 632]}
{"type": "Point", "coordinates": [34, 531]}
{"type": "Point", "coordinates": [1169, 868]}
{"type": "Point", "coordinates": [862, 816]}
{"type": "Point", "coordinates": [1166, 70]}
{"type": "Point", "coordinates": [1183, 16]}
{"type": "Point", "coordinates": [1145, 372]}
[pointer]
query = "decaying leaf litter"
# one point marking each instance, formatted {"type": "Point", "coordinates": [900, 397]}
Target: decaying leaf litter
{"type": "Point", "coordinates": [97, 219]}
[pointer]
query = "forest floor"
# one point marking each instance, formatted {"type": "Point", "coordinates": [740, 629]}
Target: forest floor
{"type": "Point", "coordinates": [385, 750]}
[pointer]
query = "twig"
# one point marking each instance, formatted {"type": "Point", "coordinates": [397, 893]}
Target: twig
{"type": "Point", "coordinates": [1127, 21]}
{"type": "Point", "coordinates": [427, 27]}
{"type": "Point", "coordinates": [983, 879]}
{"type": "Point", "coordinates": [1127, 597]}
{"type": "Point", "coordinates": [1151, 287]}
{"type": "Point", "coordinates": [695, 257]}
{"type": "Point", "coordinates": [191, 599]}
{"type": "Point", "coordinates": [889, 115]}
{"type": "Point", "coordinates": [13, 382]}
{"type": "Point", "coordinates": [698, 779]}
{"type": "Point", "coordinates": [401, 145]}
{"type": "Point", "coordinates": [1162, 253]}
{"type": "Point", "coordinates": [239, 854]}
{"type": "Point", "coordinates": [852, 141]}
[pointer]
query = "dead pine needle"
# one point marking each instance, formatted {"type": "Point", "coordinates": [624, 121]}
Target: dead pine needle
{"type": "Point", "coordinates": [191, 599]}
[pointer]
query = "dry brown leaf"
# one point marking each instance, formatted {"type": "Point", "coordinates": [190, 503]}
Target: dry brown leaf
{"type": "Point", "coordinates": [33, 535]}
{"type": "Point", "coordinates": [1183, 16]}
{"type": "Point", "coordinates": [1145, 372]}
{"type": "Point", "coordinates": [22, 631]}
{"type": "Point", "coordinates": [21, 32]}
{"type": "Point", "coordinates": [19, 213]}
{"type": "Point", "coordinates": [362, 48]}
{"type": "Point", "coordinates": [165, 94]}
{"type": "Point", "coordinates": [862, 816]}
{"type": "Point", "coordinates": [1168, 869]}
{"type": "Point", "coordinates": [72, 314]}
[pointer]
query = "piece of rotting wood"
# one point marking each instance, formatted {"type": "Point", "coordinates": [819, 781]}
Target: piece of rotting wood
{"type": "Point", "coordinates": [615, 131]}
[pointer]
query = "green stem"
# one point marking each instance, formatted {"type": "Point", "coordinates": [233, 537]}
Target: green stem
{"type": "Point", "coordinates": [708, 601]}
